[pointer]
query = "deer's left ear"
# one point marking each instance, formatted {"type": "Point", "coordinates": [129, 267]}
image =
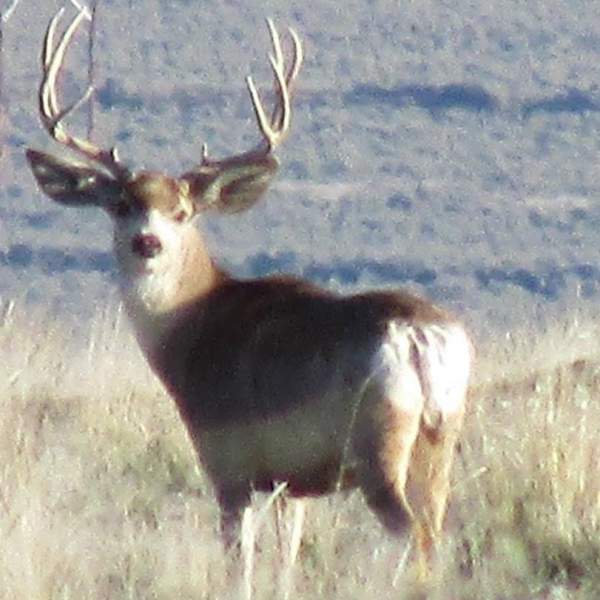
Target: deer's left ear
{"type": "Point", "coordinates": [230, 185]}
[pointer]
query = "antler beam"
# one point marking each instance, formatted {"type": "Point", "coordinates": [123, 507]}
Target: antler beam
{"type": "Point", "coordinates": [277, 127]}
{"type": "Point", "coordinates": [52, 116]}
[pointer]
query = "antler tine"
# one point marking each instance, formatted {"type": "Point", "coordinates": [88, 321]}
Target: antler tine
{"type": "Point", "coordinates": [51, 114]}
{"type": "Point", "coordinates": [280, 116]}
{"type": "Point", "coordinates": [47, 90]}
{"type": "Point", "coordinates": [298, 58]}
{"type": "Point", "coordinates": [278, 54]}
{"type": "Point", "coordinates": [275, 129]}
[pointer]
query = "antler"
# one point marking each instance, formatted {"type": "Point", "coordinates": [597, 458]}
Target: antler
{"type": "Point", "coordinates": [52, 116]}
{"type": "Point", "coordinates": [276, 128]}
{"type": "Point", "coordinates": [235, 183]}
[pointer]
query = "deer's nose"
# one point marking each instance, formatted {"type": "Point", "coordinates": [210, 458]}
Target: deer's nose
{"type": "Point", "coordinates": [146, 245]}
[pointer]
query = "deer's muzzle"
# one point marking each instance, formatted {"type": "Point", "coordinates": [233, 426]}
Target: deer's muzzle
{"type": "Point", "coordinates": [146, 245]}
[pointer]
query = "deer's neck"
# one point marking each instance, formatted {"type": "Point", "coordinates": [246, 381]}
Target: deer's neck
{"type": "Point", "coordinates": [158, 298]}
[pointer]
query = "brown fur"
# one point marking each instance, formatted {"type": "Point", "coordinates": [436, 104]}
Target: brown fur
{"type": "Point", "coordinates": [272, 377]}
{"type": "Point", "coordinates": [155, 190]}
{"type": "Point", "coordinates": [253, 351]}
{"type": "Point", "coordinates": [275, 379]}
{"type": "Point", "coordinates": [245, 340]}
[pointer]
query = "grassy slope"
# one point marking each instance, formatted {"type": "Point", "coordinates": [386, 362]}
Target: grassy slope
{"type": "Point", "coordinates": [100, 495]}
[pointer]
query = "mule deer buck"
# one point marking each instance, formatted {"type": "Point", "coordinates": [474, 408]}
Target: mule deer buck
{"type": "Point", "coordinates": [275, 379]}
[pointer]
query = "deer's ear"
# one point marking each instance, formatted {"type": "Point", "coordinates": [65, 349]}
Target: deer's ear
{"type": "Point", "coordinates": [231, 185]}
{"type": "Point", "coordinates": [71, 183]}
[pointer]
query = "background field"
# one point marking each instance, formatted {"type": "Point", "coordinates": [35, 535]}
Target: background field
{"type": "Point", "coordinates": [448, 147]}
{"type": "Point", "coordinates": [444, 146]}
{"type": "Point", "coordinates": [100, 496]}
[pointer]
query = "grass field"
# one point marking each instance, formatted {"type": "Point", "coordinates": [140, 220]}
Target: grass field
{"type": "Point", "coordinates": [100, 496]}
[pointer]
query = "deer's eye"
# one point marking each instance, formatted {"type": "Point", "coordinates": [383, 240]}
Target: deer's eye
{"type": "Point", "coordinates": [180, 216]}
{"type": "Point", "coordinates": [122, 209]}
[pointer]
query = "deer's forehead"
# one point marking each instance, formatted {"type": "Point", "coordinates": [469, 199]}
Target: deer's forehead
{"type": "Point", "coordinates": [154, 191]}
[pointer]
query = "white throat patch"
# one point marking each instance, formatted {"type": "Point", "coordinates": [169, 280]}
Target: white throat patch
{"type": "Point", "coordinates": [150, 285]}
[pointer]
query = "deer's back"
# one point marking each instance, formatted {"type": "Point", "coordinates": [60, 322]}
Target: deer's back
{"type": "Point", "coordinates": [259, 348]}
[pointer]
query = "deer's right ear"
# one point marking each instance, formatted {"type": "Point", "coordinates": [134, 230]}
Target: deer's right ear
{"type": "Point", "coordinates": [231, 185]}
{"type": "Point", "coordinates": [72, 183]}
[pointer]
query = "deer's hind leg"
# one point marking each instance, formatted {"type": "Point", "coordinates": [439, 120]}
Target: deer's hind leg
{"type": "Point", "coordinates": [428, 485]}
{"type": "Point", "coordinates": [384, 452]}
{"type": "Point", "coordinates": [443, 360]}
{"type": "Point", "coordinates": [386, 430]}
{"type": "Point", "coordinates": [386, 427]}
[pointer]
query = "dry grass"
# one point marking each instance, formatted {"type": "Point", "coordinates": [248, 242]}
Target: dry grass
{"type": "Point", "coordinates": [100, 496]}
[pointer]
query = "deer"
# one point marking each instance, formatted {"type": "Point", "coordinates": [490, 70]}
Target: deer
{"type": "Point", "coordinates": [276, 379]}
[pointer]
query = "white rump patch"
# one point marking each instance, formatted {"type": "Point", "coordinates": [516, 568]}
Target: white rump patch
{"type": "Point", "coordinates": [444, 357]}
{"type": "Point", "coordinates": [394, 371]}
{"type": "Point", "coordinates": [430, 362]}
